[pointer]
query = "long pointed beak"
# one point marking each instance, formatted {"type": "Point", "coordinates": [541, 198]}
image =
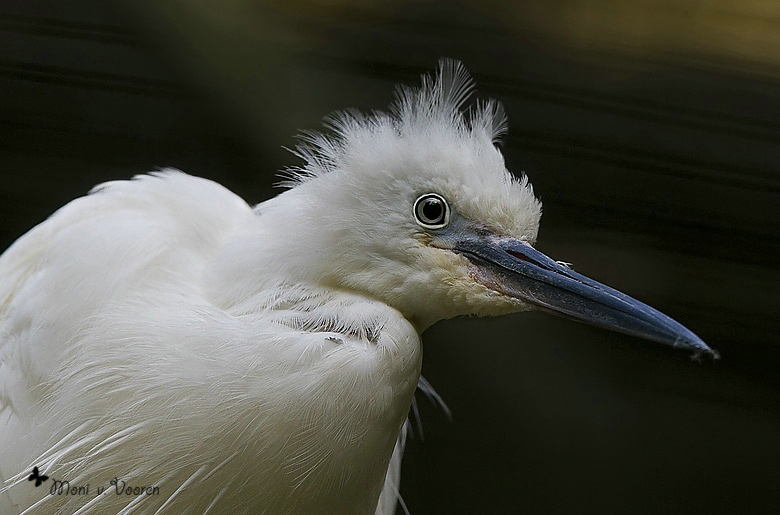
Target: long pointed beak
{"type": "Point", "coordinates": [515, 268]}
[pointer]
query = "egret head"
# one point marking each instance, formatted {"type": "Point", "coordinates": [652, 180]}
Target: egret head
{"type": "Point", "coordinates": [415, 207]}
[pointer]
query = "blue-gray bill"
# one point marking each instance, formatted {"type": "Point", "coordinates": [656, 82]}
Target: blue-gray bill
{"type": "Point", "coordinates": [517, 269]}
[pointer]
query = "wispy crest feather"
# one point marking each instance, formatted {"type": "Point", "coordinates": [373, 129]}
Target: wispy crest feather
{"type": "Point", "coordinates": [437, 105]}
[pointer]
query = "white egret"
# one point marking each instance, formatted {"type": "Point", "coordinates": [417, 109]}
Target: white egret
{"type": "Point", "coordinates": [162, 339]}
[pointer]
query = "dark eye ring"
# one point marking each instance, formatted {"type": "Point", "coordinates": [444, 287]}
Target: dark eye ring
{"type": "Point", "coordinates": [431, 211]}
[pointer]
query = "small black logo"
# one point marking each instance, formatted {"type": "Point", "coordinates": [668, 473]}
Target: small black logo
{"type": "Point", "coordinates": [38, 478]}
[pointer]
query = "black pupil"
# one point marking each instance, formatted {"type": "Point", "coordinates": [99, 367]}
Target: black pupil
{"type": "Point", "coordinates": [432, 210]}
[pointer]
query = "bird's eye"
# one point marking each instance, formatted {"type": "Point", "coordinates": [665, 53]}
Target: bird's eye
{"type": "Point", "coordinates": [432, 211]}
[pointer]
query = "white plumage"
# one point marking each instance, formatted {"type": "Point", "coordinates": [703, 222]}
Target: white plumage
{"type": "Point", "coordinates": [251, 360]}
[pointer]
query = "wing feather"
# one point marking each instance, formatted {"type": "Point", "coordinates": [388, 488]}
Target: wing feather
{"type": "Point", "coordinates": [121, 238]}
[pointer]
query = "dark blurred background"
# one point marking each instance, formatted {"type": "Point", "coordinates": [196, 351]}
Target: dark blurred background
{"type": "Point", "coordinates": [649, 129]}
